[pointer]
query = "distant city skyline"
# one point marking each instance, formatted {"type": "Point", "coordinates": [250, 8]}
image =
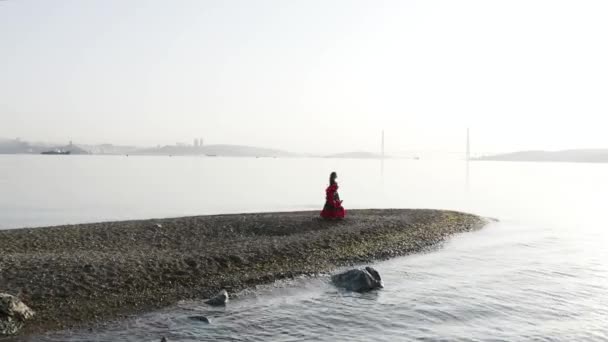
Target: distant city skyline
{"type": "Point", "coordinates": [307, 76]}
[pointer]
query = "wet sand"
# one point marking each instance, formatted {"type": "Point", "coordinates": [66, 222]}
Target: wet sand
{"type": "Point", "coordinates": [79, 275]}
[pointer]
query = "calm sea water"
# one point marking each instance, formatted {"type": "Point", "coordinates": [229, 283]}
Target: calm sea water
{"type": "Point", "coordinates": [541, 273]}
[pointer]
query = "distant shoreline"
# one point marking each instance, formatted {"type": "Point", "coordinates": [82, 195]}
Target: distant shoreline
{"type": "Point", "coordinates": [79, 275]}
{"type": "Point", "coordinates": [214, 156]}
{"type": "Point", "coordinates": [16, 146]}
{"type": "Point", "coordinates": [567, 156]}
{"type": "Point", "coordinates": [542, 161]}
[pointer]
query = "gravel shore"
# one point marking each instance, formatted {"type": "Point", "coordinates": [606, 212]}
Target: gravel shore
{"type": "Point", "coordinates": [77, 275]}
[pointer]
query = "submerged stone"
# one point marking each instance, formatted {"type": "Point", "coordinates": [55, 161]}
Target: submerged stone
{"type": "Point", "coordinates": [199, 318]}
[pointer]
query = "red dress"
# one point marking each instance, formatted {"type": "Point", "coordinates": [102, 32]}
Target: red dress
{"type": "Point", "coordinates": [333, 205]}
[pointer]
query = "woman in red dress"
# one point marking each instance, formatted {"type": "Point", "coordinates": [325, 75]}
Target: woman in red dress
{"type": "Point", "coordinates": [333, 205]}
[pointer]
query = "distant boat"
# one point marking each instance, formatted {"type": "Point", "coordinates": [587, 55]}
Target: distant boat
{"type": "Point", "coordinates": [56, 152]}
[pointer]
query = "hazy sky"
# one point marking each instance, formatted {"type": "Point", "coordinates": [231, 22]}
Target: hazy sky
{"type": "Point", "coordinates": [307, 75]}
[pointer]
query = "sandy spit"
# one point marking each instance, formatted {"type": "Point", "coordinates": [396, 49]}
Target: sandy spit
{"type": "Point", "coordinates": [75, 276]}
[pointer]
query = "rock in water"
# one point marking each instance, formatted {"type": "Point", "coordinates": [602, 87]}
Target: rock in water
{"type": "Point", "coordinates": [13, 314]}
{"type": "Point", "coordinates": [199, 318]}
{"type": "Point", "coordinates": [220, 299]}
{"type": "Point", "coordinates": [358, 280]}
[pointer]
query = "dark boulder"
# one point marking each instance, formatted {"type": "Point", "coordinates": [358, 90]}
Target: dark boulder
{"type": "Point", "coordinates": [220, 299]}
{"type": "Point", "coordinates": [358, 280]}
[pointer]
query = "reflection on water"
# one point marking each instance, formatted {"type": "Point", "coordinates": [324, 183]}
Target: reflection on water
{"type": "Point", "coordinates": [467, 178]}
{"type": "Point", "coordinates": [541, 273]}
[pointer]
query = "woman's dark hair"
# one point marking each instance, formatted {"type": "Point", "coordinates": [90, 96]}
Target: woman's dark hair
{"type": "Point", "coordinates": [332, 178]}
